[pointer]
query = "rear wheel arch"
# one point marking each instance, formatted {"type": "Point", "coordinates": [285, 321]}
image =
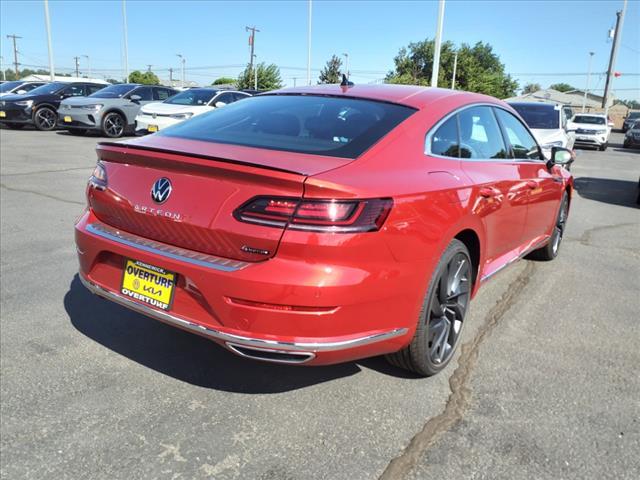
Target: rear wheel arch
{"type": "Point", "coordinates": [472, 241]}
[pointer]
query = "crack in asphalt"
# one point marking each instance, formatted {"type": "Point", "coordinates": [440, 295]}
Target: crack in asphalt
{"type": "Point", "coordinates": [40, 194]}
{"type": "Point", "coordinates": [25, 174]}
{"type": "Point", "coordinates": [460, 395]}
{"type": "Point", "coordinates": [585, 238]}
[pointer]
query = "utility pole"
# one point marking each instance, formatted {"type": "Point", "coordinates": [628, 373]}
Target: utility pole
{"type": "Point", "coordinates": [182, 59]}
{"type": "Point", "coordinates": [436, 53]}
{"type": "Point", "coordinates": [309, 45]}
{"type": "Point", "coordinates": [88, 64]}
{"type": "Point", "coordinates": [586, 90]}
{"type": "Point", "coordinates": [614, 53]}
{"type": "Point", "coordinates": [149, 67]}
{"type": "Point", "coordinates": [252, 43]}
{"type": "Point", "coordinates": [52, 73]}
{"type": "Point", "coordinates": [346, 60]}
{"type": "Point", "coordinates": [15, 54]}
{"type": "Point", "coordinates": [455, 67]}
{"type": "Point", "coordinates": [171, 77]}
{"type": "Point", "coordinates": [126, 48]}
{"type": "Point", "coordinates": [77, 66]}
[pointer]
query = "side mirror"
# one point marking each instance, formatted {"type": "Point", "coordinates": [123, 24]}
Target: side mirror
{"type": "Point", "coordinates": [560, 156]}
{"type": "Point", "coordinates": [219, 104]}
{"type": "Point", "coordinates": [135, 98]}
{"type": "Point", "coordinates": [21, 92]}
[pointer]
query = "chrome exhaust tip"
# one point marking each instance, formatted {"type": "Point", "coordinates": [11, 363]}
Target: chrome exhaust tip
{"type": "Point", "coordinates": [271, 355]}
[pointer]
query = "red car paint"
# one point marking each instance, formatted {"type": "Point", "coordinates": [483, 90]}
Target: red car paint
{"type": "Point", "coordinates": [317, 294]}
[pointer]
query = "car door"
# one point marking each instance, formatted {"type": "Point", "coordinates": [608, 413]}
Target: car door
{"type": "Point", "coordinates": [500, 192]}
{"type": "Point", "coordinates": [544, 186]}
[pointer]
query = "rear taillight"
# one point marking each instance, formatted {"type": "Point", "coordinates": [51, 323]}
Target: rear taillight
{"type": "Point", "coordinates": [98, 178]}
{"type": "Point", "coordinates": [341, 216]}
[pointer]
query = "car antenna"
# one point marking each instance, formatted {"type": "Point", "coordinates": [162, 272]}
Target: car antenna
{"type": "Point", "coordinates": [345, 81]}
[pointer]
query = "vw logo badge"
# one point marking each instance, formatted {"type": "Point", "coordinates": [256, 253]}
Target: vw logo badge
{"type": "Point", "coordinates": [154, 115]}
{"type": "Point", "coordinates": [161, 190]}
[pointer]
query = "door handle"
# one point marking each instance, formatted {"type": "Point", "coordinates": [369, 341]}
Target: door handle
{"type": "Point", "coordinates": [489, 192]}
{"type": "Point", "coordinates": [532, 184]}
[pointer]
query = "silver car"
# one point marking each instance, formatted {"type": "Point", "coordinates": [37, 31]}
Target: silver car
{"type": "Point", "coordinates": [111, 111]}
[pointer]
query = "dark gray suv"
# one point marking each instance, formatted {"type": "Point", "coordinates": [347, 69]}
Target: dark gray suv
{"type": "Point", "coordinates": [112, 110]}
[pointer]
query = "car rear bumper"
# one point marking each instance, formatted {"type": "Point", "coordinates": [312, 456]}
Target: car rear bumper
{"type": "Point", "coordinates": [240, 305]}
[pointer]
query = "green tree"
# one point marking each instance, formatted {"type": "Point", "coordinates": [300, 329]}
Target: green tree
{"type": "Point", "coordinates": [561, 87]}
{"type": "Point", "coordinates": [224, 81]}
{"type": "Point", "coordinates": [479, 69]}
{"type": "Point", "coordinates": [146, 78]}
{"type": "Point", "coordinates": [268, 77]}
{"type": "Point", "coordinates": [331, 71]}
{"type": "Point", "coordinates": [531, 87]}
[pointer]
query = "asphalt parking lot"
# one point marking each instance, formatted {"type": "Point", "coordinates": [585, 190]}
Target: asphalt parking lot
{"type": "Point", "coordinates": [545, 386]}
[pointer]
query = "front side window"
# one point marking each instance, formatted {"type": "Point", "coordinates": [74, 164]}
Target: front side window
{"type": "Point", "coordinates": [480, 136]}
{"type": "Point", "coordinates": [522, 142]}
{"type": "Point", "coordinates": [94, 88]}
{"type": "Point", "coordinates": [145, 93]}
{"type": "Point", "coordinates": [311, 124]}
{"type": "Point", "coordinates": [444, 141]}
{"type": "Point", "coordinates": [226, 98]}
{"type": "Point", "coordinates": [27, 87]}
{"type": "Point", "coordinates": [161, 94]}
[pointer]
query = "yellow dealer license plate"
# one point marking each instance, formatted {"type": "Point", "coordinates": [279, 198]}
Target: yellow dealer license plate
{"type": "Point", "coordinates": [152, 128]}
{"type": "Point", "coordinates": [67, 119]}
{"type": "Point", "coordinates": [148, 284]}
{"type": "Point", "coordinates": [2, 114]}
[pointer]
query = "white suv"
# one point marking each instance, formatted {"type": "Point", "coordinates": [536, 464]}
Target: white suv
{"type": "Point", "coordinates": [591, 129]}
{"type": "Point", "coordinates": [548, 123]}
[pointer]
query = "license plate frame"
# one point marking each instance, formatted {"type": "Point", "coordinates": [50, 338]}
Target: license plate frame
{"type": "Point", "coordinates": [67, 119]}
{"type": "Point", "coordinates": [144, 288]}
{"type": "Point", "coordinates": [152, 128]}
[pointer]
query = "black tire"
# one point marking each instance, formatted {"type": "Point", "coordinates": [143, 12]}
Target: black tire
{"type": "Point", "coordinates": [15, 126]}
{"type": "Point", "coordinates": [443, 311]}
{"type": "Point", "coordinates": [626, 144]}
{"type": "Point", "coordinates": [551, 249]}
{"type": "Point", "coordinates": [603, 148]}
{"type": "Point", "coordinates": [45, 119]}
{"type": "Point", "coordinates": [113, 125]}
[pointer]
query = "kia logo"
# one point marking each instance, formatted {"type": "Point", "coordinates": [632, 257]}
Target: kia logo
{"type": "Point", "coordinates": [161, 190]}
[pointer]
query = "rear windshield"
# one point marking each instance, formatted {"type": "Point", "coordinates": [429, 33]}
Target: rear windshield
{"type": "Point", "coordinates": [192, 97]}
{"type": "Point", "coordinates": [321, 125]}
{"type": "Point", "coordinates": [541, 116]}
{"type": "Point", "coordinates": [589, 119]}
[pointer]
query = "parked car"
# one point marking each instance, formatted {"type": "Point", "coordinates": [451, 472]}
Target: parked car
{"type": "Point", "coordinates": [184, 105]}
{"type": "Point", "coordinates": [632, 136]}
{"type": "Point", "coordinates": [323, 224]}
{"type": "Point", "coordinates": [548, 123]}
{"type": "Point", "coordinates": [18, 87]}
{"type": "Point", "coordinates": [591, 130]}
{"type": "Point", "coordinates": [38, 107]}
{"type": "Point", "coordinates": [630, 119]}
{"type": "Point", "coordinates": [111, 111]}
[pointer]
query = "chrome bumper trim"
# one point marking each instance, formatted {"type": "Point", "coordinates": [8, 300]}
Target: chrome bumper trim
{"type": "Point", "coordinates": [311, 347]}
{"type": "Point", "coordinates": [174, 253]}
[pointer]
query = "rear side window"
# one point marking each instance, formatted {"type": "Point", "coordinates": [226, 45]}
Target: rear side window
{"type": "Point", "coordinates": [320, 125]}
{"type": "Point", "coordinates": [522, 142]}
{"type": "Point", "coordinates": [444, 141]}
{"type": "Point", "coordinates": [161, 93]}
{"type": "Point", "coordinates": [480, 136]}
{"type": "Point", "coordinates": [146, 93]}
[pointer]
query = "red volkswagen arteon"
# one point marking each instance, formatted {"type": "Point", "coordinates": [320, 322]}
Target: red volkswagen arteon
{"type": "Point", "coordinates": [323, 224]}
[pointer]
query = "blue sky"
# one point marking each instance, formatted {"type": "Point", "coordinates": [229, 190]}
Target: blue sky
{"type": "Point", "coordinates": [532, 37]}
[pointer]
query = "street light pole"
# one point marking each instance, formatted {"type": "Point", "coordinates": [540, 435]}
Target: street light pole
{"type": "Point", "coordinates": [586, 90]}
{"type": "Point", "coordinates": [436, 53]}
{"type": "Point", "coordinates": [346, 60]}
{"type": "Point", "coordinates": [52, 73]}
{"type": "Point", "coordinates": [126, 48]}
{"type": "Point", "coordinates": [182, 60]}
{"type": "Point", "coordinates": [88, 64]}
{"type": "Point", "coordinates": [309, 45]}
{"type": "Point", "coordinates": [455, 67]}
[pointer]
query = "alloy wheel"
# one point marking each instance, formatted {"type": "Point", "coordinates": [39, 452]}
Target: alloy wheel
{"type": "Point", "coordinates": [561, 223]}
{"type": "Point", "coordinates": [113, 125]}
{"type": "Point", "coordinates": [46, 119]}
{"type": "Point", "coordinates": [447, 308]}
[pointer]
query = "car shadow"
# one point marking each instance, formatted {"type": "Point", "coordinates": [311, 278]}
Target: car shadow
{"type": "Point", "coordinates": [606, 190]}
{"type": "Point", "coordinates": [191, 358]}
